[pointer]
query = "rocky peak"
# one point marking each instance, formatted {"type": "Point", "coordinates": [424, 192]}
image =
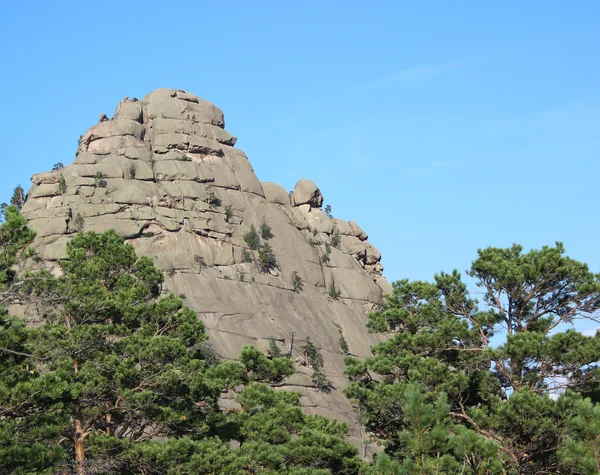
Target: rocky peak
{"type": "Point", "coordinates": [164, 173]}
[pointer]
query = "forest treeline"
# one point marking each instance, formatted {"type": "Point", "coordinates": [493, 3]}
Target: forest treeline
{"type": "Point", "coordinates": [118, 376]}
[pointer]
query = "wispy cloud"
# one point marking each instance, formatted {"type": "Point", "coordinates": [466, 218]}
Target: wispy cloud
{"type": "Point", "coordinates": [591, 331]}
{"type": "Point", "coordinates": [386, 80]}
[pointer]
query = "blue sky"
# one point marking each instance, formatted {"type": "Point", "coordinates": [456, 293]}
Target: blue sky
{"type": "Point", "coordinates": [440, 127]}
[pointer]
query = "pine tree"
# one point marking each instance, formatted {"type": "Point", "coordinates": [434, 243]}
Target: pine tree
{"type": "Point", "coordinates": [442, 341]}
{"type": "Point", "coordinates": [252, 238]}
{"type": "Point", "coordinates": [266, 258]}
{"type": "Point", "coordinates": [314, 358]}
{"type": "Point", "coordinates": [120, 380]}
{"type": "Point", "coordinates": [114, 359]}
{"type": "Point", "coordinates": [14, 238]}
{"type": "Point", "coordinates": [265, 230]}
{"type": "Point", "coordinates": [345, 349]}
{"type": "Point", "coordinates": [274, 351]}
{"type": "Point", "coordinates": [297, 282]}
{"type": "Point", "coordinates": [18, 197]}
{"type": "Point", "coordinates": [580, 452]}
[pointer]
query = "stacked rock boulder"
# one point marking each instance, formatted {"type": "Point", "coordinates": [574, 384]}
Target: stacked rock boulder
{"type": "Point", "coordinates": [164, 173]}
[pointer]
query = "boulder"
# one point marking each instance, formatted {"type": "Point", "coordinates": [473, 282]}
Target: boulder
{"type": "Point", "coordinates": [127, 109]}
{"type": "Point", "coordinates": [357, 231]}
{"type": "Point", "coordinates": [165, 103]}
{"type": "Point", "coordinates": [275, 193]}
{"type": "Point", "coordinates": [306, 192]}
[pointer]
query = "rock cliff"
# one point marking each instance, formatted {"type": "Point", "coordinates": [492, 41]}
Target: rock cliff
{"type": "Point", "coordinates": [164, 173]}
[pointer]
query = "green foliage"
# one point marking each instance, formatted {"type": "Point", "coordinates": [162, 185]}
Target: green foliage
{"type": "Point", "coordinates": [278, 438]}
{"type": "Point", "coordinates": [312, 355]}
{"type": "Point", "coordinates": [265, 230]}
{"type": "Point", "coordinates": [252, 238]}
{"type": "Point", "coordinates": [253, 366]}
{"type": "Point", "coordinates": [148, 234]}
{"type": "Point", "coordinates": [344, 344]}
{"type": "Point", "coordinates": [266, 258]}
{"type": "Point", "coordinates": [325, 257]}
{"type": "Point", "coordinates": [257, 367]}
{"type": "Point", "coordinates": [184, 158]}
{"type": "Point", "coordinates": [18, 197]}
{"type": "Point", "coordinates": [321, 382]}
{"type": "Point", "coordinates": [58, 167]}
{"type": "Point", "coordinates": [297, 282]}
{"type": "Point", "coordinates": [499, 416]}
{"type": "Point", "coordinates": [132, 172]}
{"type": "Point", "coordinates": [336, 240]}
{"type": "Point", "coordinates": [212, 200]}
{"type": "Point", "coordinates": [62, 185]}
{"type": "Point", "coordinates": [314, 358]}
{"type": "Point", "coordinates": [228, 213]}
{"type": "Point", "coordinates": [334, 293]}
{"type": "Point", "coordinates": [246, 256]}
{"type": "Point", "coordinates": [111, 355]}
{"type": "Point", "coordinates": [580, 451]}
{"type": "Point", "coordinates": [383, 464]}
{"type": "Point", "coordinates": [100, 181]}
{"type": "Point", "coordinates": [14, 238]}
{"type": "Point", "coordinates": [274, 351]}
{"type": "Point", "coordinates": [327, 211]}
{"type": "Point", "coordinates": [119, 380]}
{"type": "Point", "coordinates": [274, 436]}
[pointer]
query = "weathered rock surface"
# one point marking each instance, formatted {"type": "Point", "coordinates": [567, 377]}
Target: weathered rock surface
{"type": "Point", "coordinates": [306, 192]}
{"type": "Point", "coordinates": [163, 172]}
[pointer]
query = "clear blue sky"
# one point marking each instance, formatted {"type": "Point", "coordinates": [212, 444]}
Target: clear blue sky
{"type": "Point", "coordinates": [439, 127]}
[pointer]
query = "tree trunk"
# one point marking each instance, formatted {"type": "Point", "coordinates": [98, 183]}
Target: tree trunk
{"type": "Point", "coordinates": [79, 455]}
{"type": "Point", "coordinates": [291, 345]}
{"type": "Point", "coordinates": [78, 440]}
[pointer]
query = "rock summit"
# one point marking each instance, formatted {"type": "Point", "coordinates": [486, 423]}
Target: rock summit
{"type": "Point", "coordinates": [164, 173]}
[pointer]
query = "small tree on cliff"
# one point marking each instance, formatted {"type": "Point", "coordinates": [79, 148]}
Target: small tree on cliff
{"type": "Point", "coordinates": [18, 197]}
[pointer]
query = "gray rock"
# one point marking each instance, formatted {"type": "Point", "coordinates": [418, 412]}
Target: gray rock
{"type": "Point", "coordinates": [357, 231]}
{"type": "Point", "coordinates": [165, 103]}
{"type": "Point", "coordinates": [174, 186]}
{"type": "Point", "coordinates": [275, 193]}
{"type": "Point", "coordinates": [127, 109]}
{"type": "Point", "coordinates": [306, 192]}
{"type": "Point", "coordinates": [113, 128]}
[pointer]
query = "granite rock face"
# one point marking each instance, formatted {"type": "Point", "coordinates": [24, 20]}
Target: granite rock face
{"type": "Point", "coordinates": [164, 173]}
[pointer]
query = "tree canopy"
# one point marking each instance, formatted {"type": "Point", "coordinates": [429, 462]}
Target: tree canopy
{"type": "Point", "coordinates": [492, 388]}
{"type": "Point", "coordinates": [119, 379]}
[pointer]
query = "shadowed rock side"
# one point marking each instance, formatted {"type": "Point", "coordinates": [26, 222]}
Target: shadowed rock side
{"type": "Point", "coordinates": [164, 173]}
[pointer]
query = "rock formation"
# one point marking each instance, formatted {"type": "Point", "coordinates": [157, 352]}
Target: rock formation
{"type": "Point", "coordinates": [164, 173]}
